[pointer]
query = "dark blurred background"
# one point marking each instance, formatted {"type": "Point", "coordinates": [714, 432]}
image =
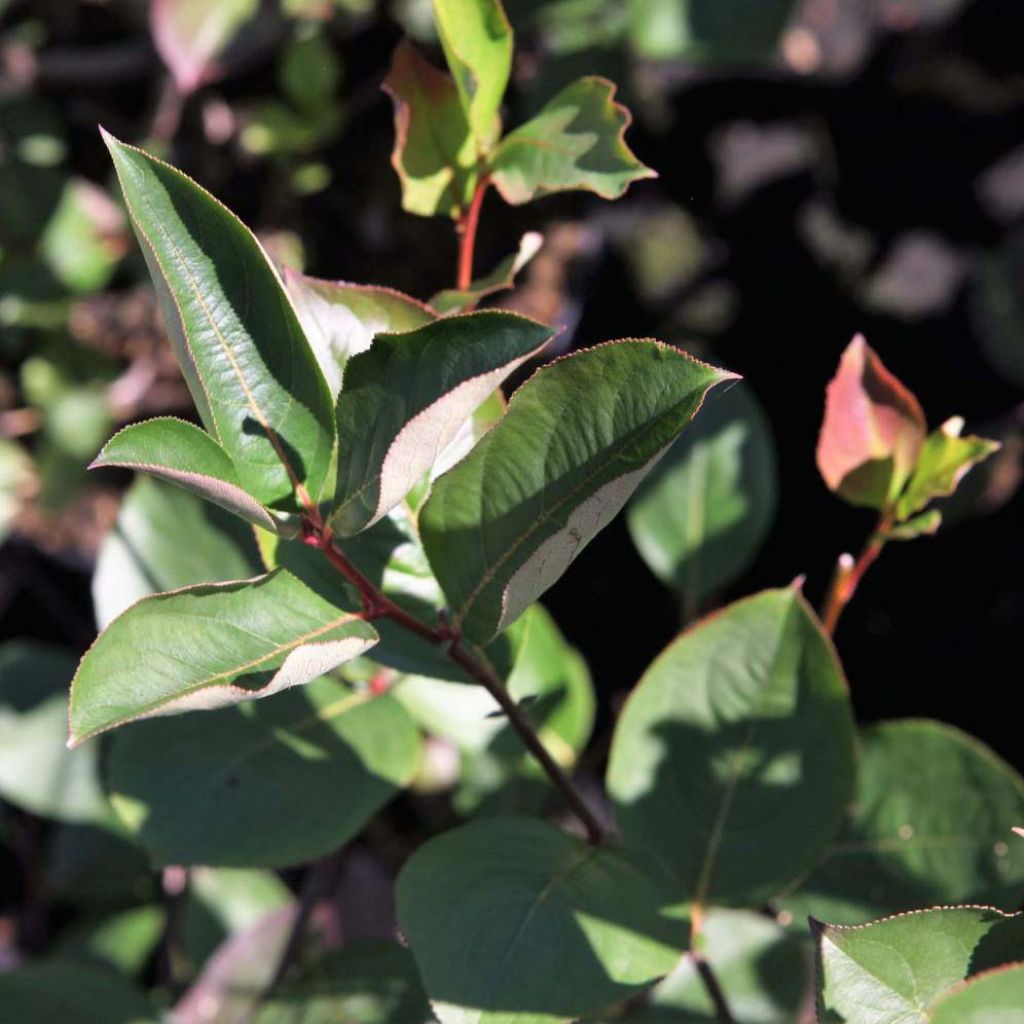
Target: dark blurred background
{"type": "Point", "coordinates": [826, 167]}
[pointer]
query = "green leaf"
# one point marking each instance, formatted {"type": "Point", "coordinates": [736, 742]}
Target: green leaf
{"type": "Point", "coordinates": [477, 41]}
{"type": "Point", "coordinates": [124, 940]}
{"type": "Point", "coordinates": [244, 640]}
{"type": "Point", "coordinates": [930, 824]}
{"type": "Point", "coordinates": [164, 539]}
{"type": "Point", "coordinates": [182, 454]}
{"type": "Point", "coordinates": [733, 759]}
{"type": "Point", "coordinates": [925, 525]}
{"type": "Point", "coordinates": [505, 523]}
{"type": "Point", "coordinates": [513, 921]}
{"type": "Point", "coordinates": [873, 430]}
{"type": "Point", "coordinates": [17, 482]}
{"type": "Point", "coordinates": [996, 997]}
{"type": "Point", "coordinates": [501, 278]}
{"type": "Point", "coordinates": [367, 983]}
{"type": "Point", "coordinates": [702, 515]}
{"type": "Point", "coordinates": [576, 141]}
{"type": "Point", "coordinates": [37, 772]}
{"type": "Point", "coordinates": [341, 319]}
{"type": "Point", "coordinates": [405, 399]}
{"type": "Point", "coordinates": [52, 991]}
{"type": "Point", "coordinates": [944, 459]}
{"type": "Point", "coordinates": [760, 966]}
{"type": "Point", "coordinates": [435, 154]}
{"type": "Point", "coordinates": [893, 971]}
{"type": "Point", "coordinates": [265, 784]}
{"type": "Point", "coordinates": [237, 337]}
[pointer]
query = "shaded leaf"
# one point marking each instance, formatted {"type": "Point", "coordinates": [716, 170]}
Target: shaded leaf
{"type": "Point", "coordinates": [477, 41]}
{"type": "Point", "coordinates": [513, 921]}
{"type": "Point", "coordinates": [237, 337]}
{"type": "Point", "coordinates": [576, 141]}
{"type": "Point", "coordinates": [434, 154]}
{"type": "Point", "coordinates": [501, 278]}
{"type": "Point", "coordinates": [341, 319]}
{"type": "Point", "coordinates": [124, 940]}
{"type": "Point", "coordinates": [182, 454]}
{"type": "Point", "coordinates": [873, 430]}
{"type": "Point", "coordinates": [929, 825]}
{"type": "Point", "coordinates": [893, 971]}
{"type": "Point", "coordinates": [702, 515]}
{"type": "Point", "coordinates": [995, 996]}
{"type": "Point", "coordinates": [503, 525]}
{"type": "Point", "coordinates": [245, 640]}
{"type": "Point", "coordinates": [733, 759]}
{"type": "Point", "coordinates": [266, 784]}
{"type": "Point", "coordinates": [17, 482]}
{"type": "Point", "coordinates": [404, 400]}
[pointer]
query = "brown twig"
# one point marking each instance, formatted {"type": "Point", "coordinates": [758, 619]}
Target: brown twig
{"type": "Point", "coordinates": [723, 1015]}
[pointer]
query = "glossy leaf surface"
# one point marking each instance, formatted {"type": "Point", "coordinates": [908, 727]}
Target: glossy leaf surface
{"type": "Point", "coordinates": [237, 337]}
{"type": "Point", "coordinates": [209, 646]}
{"type": "Point", "coordinates": [513, 921]}
{"type": "Point", "coordinates": [405, 399]}
{"type": "Point", "coordinates": [503, 525]}
{"type": "Point", "coordinates": [267, 784]}
{"type": "Point", "coordinates": [576, 141]}
{"type": "Point", "coordinates": [733, 759]}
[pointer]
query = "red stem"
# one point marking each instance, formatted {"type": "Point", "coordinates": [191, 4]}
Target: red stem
{"type": "Point", "coordinates": [847, 577]}
{"type": "Point", "coordinates": [467, 227]}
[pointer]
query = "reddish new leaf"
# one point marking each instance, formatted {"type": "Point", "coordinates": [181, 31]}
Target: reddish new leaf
{"type": "Point", "coordinates": [873, 430]}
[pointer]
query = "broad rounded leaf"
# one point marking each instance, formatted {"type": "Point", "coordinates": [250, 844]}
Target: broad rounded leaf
{"type": "Point", "coordinates": [340, 319]}
{"type": "Point", "coordinates": [995, 997]}
{"type": "Point", "coordinates": [873, 430]}
{"type": "Point", "coordinates": [435, 153]}
{"type": "Point", "coordinates": [930, 824]}
{"type": "Point", "coordinates": [512, 921]}
{"type": "Point", "coordinates": [894, 971]}
{"type": "Point", "coordinates": [208, 646]}
{"type": "Point", "coordinates": [182, 454]}
{"type": "Point", "coordinates": [37, 772]}
{"type": "Point", "coordinates": [501, 278]}
{"type": "Point", "coordinates": [267, 784]}
{"type": "Point", "coordinates": [404, 400]}
{"type": "Point", "coordinates": [71, 994]}
{"type": "Point", "coordinates": [702, 515]}
{"type": "Point", "coordinates": [506, 522]}
{"type": "Point", "coordinates": [733, 759]}
{"type": "Point", "coordinates": [367, 983]}
{"type": "Point", "coordinates": [477, 41]}
{"type": "Point", "coordinates": [164, 539]}
{"type": "Point", "coordinates": [252, 374]}
{"type": "Point", "coordinates": [577, 140]}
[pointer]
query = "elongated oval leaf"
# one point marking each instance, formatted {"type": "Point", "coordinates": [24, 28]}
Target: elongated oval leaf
{"type": "Point", "coordinates": [266, 784]}
{"type": "Point", "coordinates": [702, 515]}
{"type": "Point", "coordinates": [930, 824]}
{"type": "Point", "coordinates": [995, 997]}
{"type": "Point", "coordinates": [577, 140]}
{"type": "Point", "coordinates": [407, 397]}
{"type": "Point", "coordinates": [208, 646]}
{"type": "Point", "coordinates": [513, 921]}
{"type": "Point", "coordinates": [248, 365]}
{"type": "Point", "coordinates": [340, 319]}
{"type": "Point", "coordinates": [183, 454]}
{"type": "Point", "coordinates": [733, 759]}
{"type": "Point", "coordinates": [505, 523]}
{"type": "Point", "coordinates": [894, 971]}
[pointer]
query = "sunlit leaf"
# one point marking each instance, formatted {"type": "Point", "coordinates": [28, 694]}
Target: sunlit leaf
{"type": "Point", "coordinates": [995, 997]}
{"type": "Point", "coordinates": [501, 278]}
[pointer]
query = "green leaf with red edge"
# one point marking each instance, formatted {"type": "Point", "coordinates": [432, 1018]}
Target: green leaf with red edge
{"type": "Point", "coordinates": [406, 398]}
{"type": "Point", "coordinates": [341, 319]}
{"type": "Point", "coordinates": [944, 459]}
{"type": "Point", "coordinates": [994, 997]}
{"type": "Point", "coordinates": [435, 154]}
{"type": "Point", "coordinates": [243, 640]}
{"type": "Point", "coordinates": [501, 278]}
{"type": "Point", "coordinates": [503, 525]}
{"type": "Point", "coordinates": [182, 454]}
{"type": "Point", "coordinates": [251, 372]}
{"type": "Point", "coordinates": [873, 430]}
{"type": "Point", "coordinates": [576, 141]}
{"type": "Point", "coordinates": [477, 41]}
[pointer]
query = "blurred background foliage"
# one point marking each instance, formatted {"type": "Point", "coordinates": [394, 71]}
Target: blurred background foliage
{"type": "Point", "coordinates": [826, 167]}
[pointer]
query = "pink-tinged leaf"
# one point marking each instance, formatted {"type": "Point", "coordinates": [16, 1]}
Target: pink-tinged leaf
{"type": "Point", "coordinates": [873, 430]}
{"type": "Point", "coordinates": [190, 35]}
{"type": "Point", "coordinates": [1019, 831]}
